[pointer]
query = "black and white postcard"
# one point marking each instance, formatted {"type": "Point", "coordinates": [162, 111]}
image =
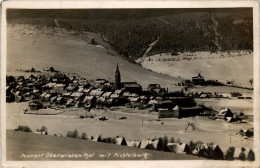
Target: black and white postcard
{"type": "Point", "coordinates": [130, 83]}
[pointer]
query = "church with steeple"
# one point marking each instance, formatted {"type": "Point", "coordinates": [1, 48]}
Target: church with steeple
{"type": "Point", "coordinates": [117, 78]}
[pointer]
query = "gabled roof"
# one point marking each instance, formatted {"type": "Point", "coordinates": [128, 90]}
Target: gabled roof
{"type": "Point", "coordinates": [134, 99]}
{"type": "Point", "coordinates": [153, 102]}
{"type": "Point", "coordinates": [76, 94]}
{"type": "Point", "coordinates": [143, 97]}
{"type": "Point", "coordinates": [50, 85]}
{"type": "Point", "coordinates": [127, 94]}
{"type": "Point", "coordinates": [223, 111]}
{"type": "Point", "coordinates": [67, 94]}
{"type": "Point", "coordinates": [118, 91]}
{"type": "Point", "coordinates": [88, 98]}
{"type": "Point", "coordinates": [113, 96]}
{"type": "Point", "coordinates": [80, 89]}
{"type": "Point", "coordinates": [107, 94]}
{"type": "Point", "coordinates": [54, 98]}
{"type": "Point", "coordinates": [43, 95]}
{"type": "Point", "coordinates": [47, 96]}
{"type": "Point", "coordinates": [96, 92]}
{"type": "Point", "coordinates": [87, 90]}
{"type": "Point", "coordinates": [59, 85]}
{"type": "Point", "coordinates": [59, 98]}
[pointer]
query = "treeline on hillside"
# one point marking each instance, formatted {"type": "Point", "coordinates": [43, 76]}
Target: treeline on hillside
{"type": "Point", "coordinates": [195, 31]}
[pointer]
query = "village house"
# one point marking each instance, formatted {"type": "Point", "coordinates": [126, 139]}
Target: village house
{"type": "Point", "coordinates": [247, 132]}
{"type": "Point", "coordinates": [53, 99]}
{"type": "Point", "coordinates": [77, 96]}
{"type": "Point", "coordinates": [198, 80]}
{"type": "Point", "coordinates": [107, 95]}
{"type": "Point", "coordinates": [132, 87]}
{"type": "Point", "coordinates": [134, 99]}
{"type": "Point", "coordinates": [167, 113]}
{"type": "Point", "coordinates": [80, 89]}
{"type": "Point", "coordinates": [83, 82]}
{"type": "Point", "coordinates": [89, 102]}
{"type": "Point", "coordinates": [179, 112]}
{"type": "Point", "coordinates": [46, 88]}
{"type": "Point", "coordinates": [61, 101]}
{"type": "Point", "coordinates": [70, 103]}
{"type": "Point", "coordinates": [87, 91]}
{"type": "Point", "coordinates": [144, 99]}
{"type": "Point", "coordinates": [35, 105]}
{"type": "Point", "coordinates": [96, 92]}
{"type": "Point", "coordinates": [59, 88]}
{"type": "Point", "coordinates": [100, 82]}
{"type": "Point", "coordinates": [72, 87]}
{"type": "Point", "coordinates": [66, 95]}
{"type": "Point", "coordinates": [224, 113]}
{"type": "Point", "coordinates": [119, 92]}
{"type": "Point", "coordinates": [151, 87]}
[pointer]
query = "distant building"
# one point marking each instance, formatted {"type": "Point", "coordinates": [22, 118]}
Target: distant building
{"type": "Point", "coordinates": [132, 87]}
{"type": "Point", "coordinates": [151, 87]}
{"type": "Point", "coordinates": [179, 112]}
{"type": "Point", "coordinates": [248, 132]}
{"type": "Point", "coordinates": [35, 105]}
{"type": "Point", "coordinates": [224, 113]}
{"type": "Point", "coordinates": [117, 78]}
{"type": "Point", "coordinates": [100, 82]}
{"type": "Point", "coordinates": [198, 80]}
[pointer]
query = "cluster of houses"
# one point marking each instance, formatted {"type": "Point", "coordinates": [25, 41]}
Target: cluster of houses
{"type": "Point", "coordinates": [61, 91]}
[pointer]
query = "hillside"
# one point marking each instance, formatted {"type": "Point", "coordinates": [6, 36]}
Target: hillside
{"type": "Point", "coordinates": [70, 53]}
{"type": "Point", "coordinates": [236, 66]}
{"type": "Point", "coordinates": [131, 31]}
{"type": "Point", "coordinates": [19, 143]}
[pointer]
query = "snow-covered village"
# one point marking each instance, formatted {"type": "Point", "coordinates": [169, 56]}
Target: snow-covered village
{"type": "Point", "coordinates": [135, 85]}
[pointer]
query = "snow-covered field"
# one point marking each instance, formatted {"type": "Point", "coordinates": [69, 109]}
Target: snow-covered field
{"type": "Point", "coordinates": [206, 130]}
{"type": "Point", "coordinates": [236, 66]}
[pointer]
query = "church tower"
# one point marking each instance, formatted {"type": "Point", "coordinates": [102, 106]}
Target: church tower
{"type": "Point", "coordinates": [117, 78]}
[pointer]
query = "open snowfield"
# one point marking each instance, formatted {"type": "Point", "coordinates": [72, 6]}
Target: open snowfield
{"type": "Point", "coordinates": [28, 146]}
{"type": "Point", "coordinates": [131, 128]}
{"type": "Point", "coordinates": [237, 67]}
{"type": "Point", "coordinates": [29, 47]}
